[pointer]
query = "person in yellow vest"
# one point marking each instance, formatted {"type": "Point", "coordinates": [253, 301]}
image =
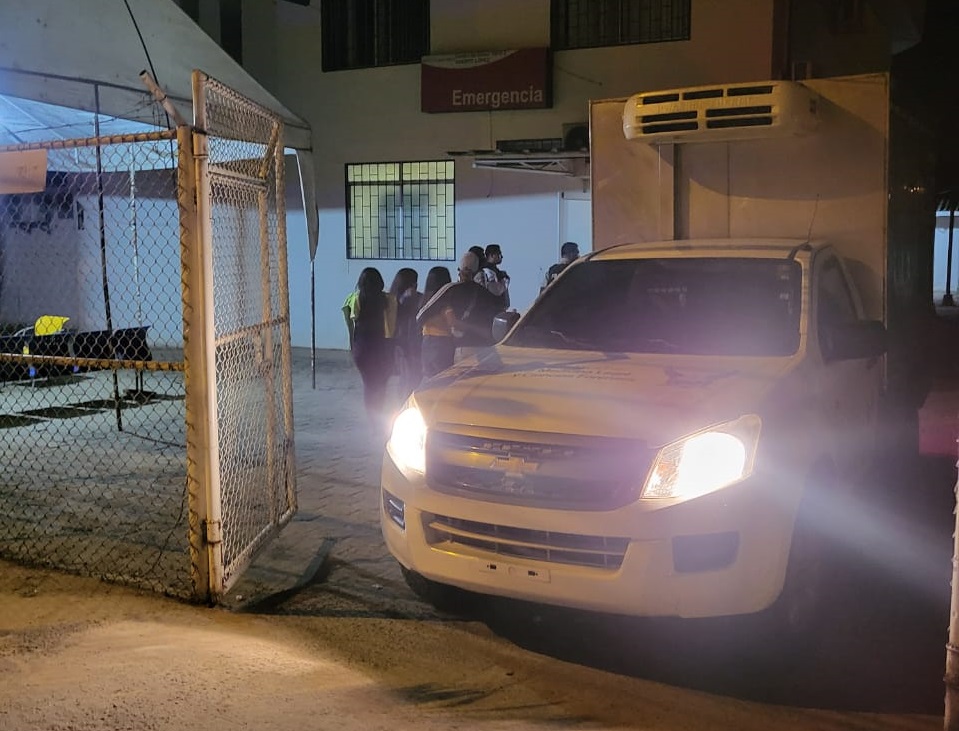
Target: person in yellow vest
{"type": "Point", "coordinates": [372, 313]}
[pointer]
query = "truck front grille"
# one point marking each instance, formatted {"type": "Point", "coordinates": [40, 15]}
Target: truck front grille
{"type": "Point", "coordinates": [450, 534]}
{"type": "Point", "coordinates": [544, 470]}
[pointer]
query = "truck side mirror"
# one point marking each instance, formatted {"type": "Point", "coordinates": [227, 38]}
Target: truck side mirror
{"type": "Point", "coordinates": [853, 340]}
{"type": "Point", "coordinates": [503, 323]}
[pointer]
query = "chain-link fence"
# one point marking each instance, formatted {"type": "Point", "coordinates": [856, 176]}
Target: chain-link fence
{"type": "Point", "coordinates": [92, 432]}
{"type": "Point", "coordinates": [146, 421]}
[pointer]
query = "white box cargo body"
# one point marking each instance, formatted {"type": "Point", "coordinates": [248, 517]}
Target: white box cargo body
{"type": "Point", "coordinates": [831, 159]}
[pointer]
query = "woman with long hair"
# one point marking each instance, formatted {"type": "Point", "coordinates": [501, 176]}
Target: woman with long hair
{"type": "Point", "coordinates": [438, 342]}
{"type": "Point", "coordinates": [436, 279]}
{"type": "Point", "coordinates": [408, 337]}
{"type": "Point", "coordinates": [374, 318]}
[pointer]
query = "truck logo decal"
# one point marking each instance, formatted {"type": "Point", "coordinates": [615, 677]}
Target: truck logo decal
{"type": "Point", "coordinates": [514, 467]}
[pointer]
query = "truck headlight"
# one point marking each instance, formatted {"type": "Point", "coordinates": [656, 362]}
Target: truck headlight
{"type": "Point", "coordinates": [704, 462]}
{"type": "Point", "coordinates": [407, 444]}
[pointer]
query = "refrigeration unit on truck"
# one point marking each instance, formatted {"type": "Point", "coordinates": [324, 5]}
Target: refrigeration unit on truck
{"type": "Point", "coordinates": [656, 434]}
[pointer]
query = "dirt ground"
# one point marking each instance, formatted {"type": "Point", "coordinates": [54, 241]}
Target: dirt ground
{"type": "Point", "coordinates": [321, 633]}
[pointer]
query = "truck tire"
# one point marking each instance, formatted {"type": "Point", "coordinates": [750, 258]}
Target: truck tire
{"type": "Point", "coordinates": [445, 598]}
{"type": "Point", "coordinates": [801, 608]}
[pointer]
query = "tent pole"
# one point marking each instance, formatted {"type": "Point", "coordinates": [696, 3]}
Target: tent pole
{"type": "Point", "coordinates": [103, 255]}
{"type": "Point", "coordinates": [136, 257]}
{"type": "Point", "coordinates": [313, 320]}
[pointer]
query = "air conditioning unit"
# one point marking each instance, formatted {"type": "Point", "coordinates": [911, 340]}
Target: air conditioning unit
{"type": "Point", "coordinates": [722, 113]}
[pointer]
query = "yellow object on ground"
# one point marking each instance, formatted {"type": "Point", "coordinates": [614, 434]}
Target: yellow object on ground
{"type": "Point", "coordinates": [49, 324]}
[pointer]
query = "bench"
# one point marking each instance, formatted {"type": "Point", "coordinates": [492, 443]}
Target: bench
{"type": "Point", "coordinates": [129, 343]}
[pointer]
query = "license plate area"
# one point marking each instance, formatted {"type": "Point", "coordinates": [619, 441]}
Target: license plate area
{"type": "Point", "coordinates": [514, 571]}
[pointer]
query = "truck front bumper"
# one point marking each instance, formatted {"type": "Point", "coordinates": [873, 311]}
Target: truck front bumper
{"type": "Point", "coordinates": [719, 554]}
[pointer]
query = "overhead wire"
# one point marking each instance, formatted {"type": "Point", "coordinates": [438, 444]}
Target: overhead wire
{"type": "Point", "coordinates": [153, 73]}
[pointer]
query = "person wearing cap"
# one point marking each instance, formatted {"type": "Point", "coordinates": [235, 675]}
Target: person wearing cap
{"type": "Point", "coordinates": [460, 314]}
{"type": "Point", "coordinates": [492, 277]}
{"type": "Point", "coordinates": [569, 252]}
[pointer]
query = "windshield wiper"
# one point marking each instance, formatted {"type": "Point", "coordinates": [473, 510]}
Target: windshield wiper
{"type": "Point", "coordinates": [575, 341]}
{"type": "Point", "coordinates": [663, 345]}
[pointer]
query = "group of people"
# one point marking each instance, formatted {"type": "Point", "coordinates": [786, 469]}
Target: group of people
{"type": "Point", "coordinates": [415, 335]}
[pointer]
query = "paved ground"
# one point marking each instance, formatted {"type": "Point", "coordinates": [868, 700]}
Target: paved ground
{"type": "Point", "coordinates": [331, 561]}
{"type": "Point", "coordinates": [321, 632]}
{"type": "Point", "coordinates": [335, 536]}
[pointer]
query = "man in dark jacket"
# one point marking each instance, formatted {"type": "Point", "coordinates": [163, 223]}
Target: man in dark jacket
{"type": "Point", "coordinates": [496, 280]}
{"type": "Point", "coordinates": [569, 252]}
{"type": "Point", "coordinates": [458, 315]}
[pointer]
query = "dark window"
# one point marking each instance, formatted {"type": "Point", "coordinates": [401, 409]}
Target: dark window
{"type": "Point", "coordinates": [191, 8]}
{"type": "Point", "coordinates": [231, 28]}
{"type": "Point", "coordinates": [591, 23]}
{"type": "Point", "coordinates": [364, 33]}
{"type": "Point", "coordinates": [400, 210]}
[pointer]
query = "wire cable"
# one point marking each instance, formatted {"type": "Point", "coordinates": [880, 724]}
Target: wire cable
{"type": "Point", "coordinates": [153, 73]}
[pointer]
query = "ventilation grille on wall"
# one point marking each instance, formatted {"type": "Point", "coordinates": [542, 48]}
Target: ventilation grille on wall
{"type": "Point", "coordinates": [723, 112]}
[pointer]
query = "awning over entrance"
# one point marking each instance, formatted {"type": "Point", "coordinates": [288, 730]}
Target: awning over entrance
{"type": "Point", "coordinates": [573, 164]}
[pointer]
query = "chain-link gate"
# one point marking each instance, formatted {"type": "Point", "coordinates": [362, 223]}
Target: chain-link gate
{"type": "Point", "coordinates": [146, 424]}
{"type": "Point", "coordinates": [241, 218]}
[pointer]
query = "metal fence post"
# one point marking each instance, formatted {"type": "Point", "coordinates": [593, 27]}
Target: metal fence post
{"type": "Point", "coordinates": [951, 721]}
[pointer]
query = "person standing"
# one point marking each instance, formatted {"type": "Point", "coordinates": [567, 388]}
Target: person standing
{"type": "Point", "coordinates": [373, 314]}
{"type": "Point", "coordinates": [480, 254]}
{"type": "Point", "coordinates": [458, 315]}
{"type": "Point", "coordinates": [569, 252]}
{"type": "Point", "coordinates": [408, 336]}
{"type": "Point", "coordinates": [492, 277]}
{"type": "Point", "coordinates": [434, 326]}
{"type": "Point", "coordinates": [349, 305]}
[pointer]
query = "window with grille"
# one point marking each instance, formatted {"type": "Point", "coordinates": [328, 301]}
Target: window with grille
{"type": "Point", "coordinates": [592, 23]}
{"type": "Point", "coordinates": [365, 33]}
{"type": "Point", "coordinates": [400, 210]}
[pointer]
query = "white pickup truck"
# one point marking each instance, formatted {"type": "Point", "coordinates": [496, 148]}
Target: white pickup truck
{"type": "Point", "coordinates": [666, 428]}
{"type": "Point", "coordinates": [641, 441]}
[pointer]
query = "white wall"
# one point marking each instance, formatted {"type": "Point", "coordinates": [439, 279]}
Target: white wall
{"type": "Point", "coordinates": [529, 247]}
{"type": "Point", "coordinates": [372, 115]}
{"type": "Point", "coordinates": [39, 273]}
{"type": "Point", "coordinates": [60, 273]}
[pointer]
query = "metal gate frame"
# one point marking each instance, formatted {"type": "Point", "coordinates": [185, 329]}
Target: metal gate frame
{"type": "Point", "coordinates": [226, 535]}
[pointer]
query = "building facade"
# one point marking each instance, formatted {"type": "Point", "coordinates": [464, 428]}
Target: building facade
{"type": "Point", "coordinates": [399, 186]}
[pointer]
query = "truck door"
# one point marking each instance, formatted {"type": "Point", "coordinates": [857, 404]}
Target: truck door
{"type": "Point", "coordinates": [848, 389]}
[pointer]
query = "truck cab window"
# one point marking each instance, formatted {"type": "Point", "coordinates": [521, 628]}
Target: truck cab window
{"type": "Point", "coordinates": [835, 305]}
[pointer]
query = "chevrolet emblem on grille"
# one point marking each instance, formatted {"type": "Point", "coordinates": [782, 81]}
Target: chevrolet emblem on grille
{"type": "Point", "coordinates": [514, 467]}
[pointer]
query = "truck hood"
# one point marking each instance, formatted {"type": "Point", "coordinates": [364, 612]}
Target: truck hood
{"type": "Point", "coordinates": [653, 398]}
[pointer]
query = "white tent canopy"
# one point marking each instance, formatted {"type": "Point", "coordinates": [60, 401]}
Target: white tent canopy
{"type": "Point", "coordinates": [59, 56]}
{"type": "Point", "coordinates": [68, 53]}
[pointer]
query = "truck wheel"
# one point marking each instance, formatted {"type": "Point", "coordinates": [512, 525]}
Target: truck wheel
{"type": "Point", "coordinates": [445, 598]}
{"type": "Point", "coordinates": [802, 605]}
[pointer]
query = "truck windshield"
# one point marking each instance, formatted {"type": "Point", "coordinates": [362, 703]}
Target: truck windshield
{"type": "Point", "coordinates": [708, 306]}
